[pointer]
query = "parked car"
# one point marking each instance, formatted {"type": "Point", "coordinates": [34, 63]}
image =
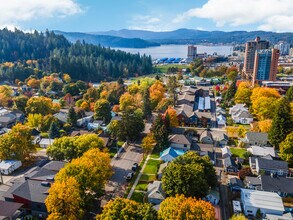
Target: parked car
{"type": "Point", "coordinates": [134, 166]}
{"type": "Point", "coordinates": [129, 176]}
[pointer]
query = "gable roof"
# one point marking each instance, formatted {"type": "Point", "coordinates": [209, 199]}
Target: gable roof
{"type": "Point", "coordinates": [206, 133]}
{"type": "Point", "coordinates": [170, 153]}
{"type": "Point", "coordinates": [257, 136]}
{"type": "Point", "coordinates": [276, 184]}
{"type": "Point", "coordinates": [179, 139]}
{"type": "Point", "coordinates": [8, 209]}
{"type": "Point", "coordinates": [265, 164]}
{"type": "Point", "coordinates": [155, 190]}
{"type": "Point", "coordinates": [262, 151]}
{"type": "Point", "coordinates": [184, 109]}
{"type": "Point", "coordinates": [219, 135]}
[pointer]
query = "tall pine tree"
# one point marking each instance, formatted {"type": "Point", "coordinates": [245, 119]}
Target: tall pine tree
{"type": "Point", "coordinates": [229, 94]}
{"type": "Point", "coordinates": [54, 131]}
{"type": "Point", "coordinates": [72, 116]}
{"type": "Point", "coordinates": [146, 106]}
{"type": "Point", "coordinates": [282, 123]}
{"type": "Point", "coordinates": [160, 132]}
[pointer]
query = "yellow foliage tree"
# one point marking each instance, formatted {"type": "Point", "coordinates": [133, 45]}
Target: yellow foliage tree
{"type": "Point", "coordinates": [241, 131]}
{"type": "Point", "coordinates": [180, 207]}
{"type": "Point", "coordinates": [157, 92]}
{"type": "Point", "coordinates": [173, 116]}
{"type": "Point", "coordinates": [148, 143]}
{"type": "Point", "coordinates": [265, 125]}
{"type": "Point", "coordinates": [238, 217]}
{"type": "Point", "coordinates": [34, 83]}
{"type": "Point", "coordinates": [34, 121]}
{"type": "Point", "coordinates": [64, 200]}
{"type": "Point", "coordinates": [243, 93]}
{"type": "Point", "coordinates": [126, 101]}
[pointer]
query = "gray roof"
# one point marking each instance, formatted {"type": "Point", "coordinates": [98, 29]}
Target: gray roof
{"type": "Point", "coordinates": [244, 114]}
{"type": "Point", "coordinates": [7, 118]}
{"type": "Point", "coordinates": [236, 182]}
{"type": "Point", "coordinates": [253, 180]}
{"type": "Point", "coordinates": [207, 115]}
{"type": "Point", "coordinates": [32, 190]}
{"type": "Point", "coordinates": [187, 97]}
{"type": "Point", "coordinates": [219, 135]}
{"type": "Point", "coordinates": [206, 133]}
{"type": "Point", "coordinates": [184, 109]}
{"type": "Point", "coordinates": [257, 136]}
{"type": "Point", "coordinates": [155, 190]}
{"type": "Point", "coordinates": [7, 209]}
{"type": "Point", "coordinates": [276, 184]}
{"type": "Point", "coordinates": [54, 165]}
{"type": "Point", "coordinates": [179, 139]}
{"type": "Point", "coordinates": [61, 116]}
{"type": "Point", "coordinates": [265, 164]}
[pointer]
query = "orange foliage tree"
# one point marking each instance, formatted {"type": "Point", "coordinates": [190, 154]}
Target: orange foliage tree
{"type": "Point", "coordinates": [173, 116]}
{"type": "Point", "coordinates": [157, 92]}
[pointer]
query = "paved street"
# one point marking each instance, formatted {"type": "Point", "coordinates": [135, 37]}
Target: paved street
{"type": "Point", "coordinates": [121, 167]}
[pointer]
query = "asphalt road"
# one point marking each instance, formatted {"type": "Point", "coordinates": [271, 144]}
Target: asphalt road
{"type": "Point", "coordinates": [121, 167]}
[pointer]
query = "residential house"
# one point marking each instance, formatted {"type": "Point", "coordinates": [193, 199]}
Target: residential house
{"type": "Point", "coordinates": [203, 118]}
{"type": "Point", "coordinates": [261, 151]}
{"type": "Point", "coordinates": [186, 115]}
{"type": "Point", "coordinates": [266, 202]}
{"type": "Point", "coordinates": [7, 118]}
{"type": "Point", "coordinates": [255, 139]}
{"type": "Point", "coordinates": [206, 137]}
{"type": "Point", "coordinates": [269, 167]}
{"type": "Point", "coordinates": [155, 193]}
{"type": "Point", "coordinates": [8, 166]}
{"type": "Point", "coordinates": [46, 142]}
{"type": "Point", "coordinates": [213, 197]}
{"type": "Point", "coordinates": [170, 154]}
{"type": "Point", "coordinates": [235, 108]}
{"type": "Point", "coordinates": [242, 116]}
{"type": "Point", "coordinates": [286, 216]}
{"type": "Point", "coordinates": [89, 117]}
{"type": "Point", "coordinates": [179, 141]}
{"type": "Point", "coordinates": [221, 121]}
{"type": "Point", "coordinates": [10, 210]}
{"type": "Point", "coordinates": [32, 190]}
{"type": "Point", "coordinates": [252, 182]}
{"type": "Point", "coordinates": [236, 184]}
{"type": "Point", "coordinates": [221, 137]}
{"type": "Point", "coordinates": [61, 116]}
{"type": "Point", "coordinates": [214, 153]}
{"type": "Point", "coordinates": [273, 183]}
{"type": "Point", "coordinates": [230, 165]}
{"type": "Point", "coordinates": [185, 98]}
{"type": "Point", "coordinates": [226, 152]}
{"type": "Point", "coordinates": [161, 170]}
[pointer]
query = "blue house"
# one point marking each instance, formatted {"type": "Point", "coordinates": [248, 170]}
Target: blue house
{"type": "Point", "coordinates": [170, 154]}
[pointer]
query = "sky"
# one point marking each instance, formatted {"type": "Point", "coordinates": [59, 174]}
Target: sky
{"type": "Point", "coordinates": [154, 15]}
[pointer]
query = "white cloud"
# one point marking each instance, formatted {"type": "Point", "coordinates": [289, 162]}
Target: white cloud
{"type": "Point", "coordinates": [273, 15]}
{"type": "Point", "coordinates": [12, 12]}
{"type": "Point", "coordinates": [149, 23]}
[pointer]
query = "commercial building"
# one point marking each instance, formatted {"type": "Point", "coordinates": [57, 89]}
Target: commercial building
{"type": "Point", "coordinates": [192, 52]}
{"type": "Point", "coordinates": [250, 49]}
{"type": "Point", "coordinates": [284, 48]}
{"type": "Point", "coordinates": [265, 65]}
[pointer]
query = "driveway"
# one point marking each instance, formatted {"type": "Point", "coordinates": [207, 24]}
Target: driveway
{"type": "Point", "coordinates": [121, 167]}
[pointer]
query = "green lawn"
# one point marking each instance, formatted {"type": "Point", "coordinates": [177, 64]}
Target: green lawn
{"type": "Point", "coordinates": [238, 152]}
{"type": "Point", "coordinates": [112, 151]}
{"type": "Point", "coordinates": [141, 186]}
{"type": "Point", "coordinates": [39, 148]}
{"type": "Point", "coordinates": [137, 196]}
{"type": "Point", "coordinates": [146, 177]}
{"type": "Point", "coordinates": [164, 68]}
{"type": "Point", "coordinates": [155, 155]}
{"type": "Point", "coordinates": [151, 167]}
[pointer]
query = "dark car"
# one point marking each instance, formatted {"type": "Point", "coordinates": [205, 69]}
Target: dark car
{"type": "Point", "coordinates": [129, 176]}
{"type": "Point", "coordinates": [134, 166]}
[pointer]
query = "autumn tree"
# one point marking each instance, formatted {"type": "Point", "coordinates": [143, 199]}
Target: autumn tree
{"type": "Point", "coordinates": [72, 116]}
{"type": "Point", "coordinates": [64, 200]}
{"type": "Point", "coordinates": [163, 105]}
{"type": "Point", "coordinates": [17, 144]}
{"type": "Point", "coordinates": [264, 102]}
{"type": "Point", "coordinates": [238, 217]}
{"type": "Point", "coordinates": [189, 175]}
{"type": "Point", "coordinates": [92, 170]}
{"type": "Point", "coordinates": [146, 106]}
{"type": "Point", "coordinates": [180, 207]}
{"type": "Point", "coordinates": [68, 148]}
{"type": "Point", "coordinates": [39, 105]}
{"type": "Point", "coordinates": [241, 130]}
{"type": "Point", "coordinates": [126, 101]}
{"type": "Point", "coordinates": [121, 208]}
{"type": "Point", "coordinates": [282, 123]}
{"type": "Point", "coordinates": [92, 94]}
{"type": "Point", "coordinates": [113, 128]}
{"type": "Point", "coordinates": [148, 143]}
{"type": "Point", "coordinates": [265, 125]}
{"type": "Point", "coordinates": [5, 95]}
{"type": "Point", "coordinates": [35, 121]}
{"type": "Point", "coordinates": [103, 110]}
{"type": "Point", "coordinates": [160, 132]}
{"type": "Point", "coordinates": [173, 116]}
{"type": "Point", "coordinates": [157, 93]}
{"type": "Point", "coordinates": [229, 93]}
{"type": "Point", "coordinates": [286, 149]}
{"type": "Point", "coordinates": [243, 93]}
{"type": "Point", "coordinates": [20, 103]}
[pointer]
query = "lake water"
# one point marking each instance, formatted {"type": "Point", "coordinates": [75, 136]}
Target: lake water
{"type": "Point", "coordinates": [179, 51]}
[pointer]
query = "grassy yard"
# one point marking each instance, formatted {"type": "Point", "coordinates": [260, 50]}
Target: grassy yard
{"type": "Point", "coordinates": [137, 196]}
{"type": "Point", "coordinates": [164, 68]}
{"type": "Point", "coordinates": [151, 167]}
{"type": "Point", "coordinates": [141, 186]}
{"type": "Point", "coordinates": [238, 152]}
{"type": "Point", "coordinates": [147, 177]}
{"type": "Point", "coordinates": [155, 155]}
{"type": "Point", "coordinates": [113, 151]}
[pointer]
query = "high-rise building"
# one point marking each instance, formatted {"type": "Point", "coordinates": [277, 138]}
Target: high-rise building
{"type": "Point", "coordinates": [250, 48]}
{"type": "Point", "coordinates": [265, 65]}
{"type": "Point", "coordinates": [192, 52]}
{"type": "Point", "coordinates": [291, 52]}
{"type": "Point", "coordinates": [284, 48]}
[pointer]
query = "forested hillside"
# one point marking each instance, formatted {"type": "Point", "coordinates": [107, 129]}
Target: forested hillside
{"type": "Point", "coordinates": [48, 52]}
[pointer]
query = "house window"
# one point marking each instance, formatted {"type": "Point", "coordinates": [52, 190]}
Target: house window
{"type": "Point", "coordinates": [185, 145]}
{"type": "Point", "coordinates": [280, 172]}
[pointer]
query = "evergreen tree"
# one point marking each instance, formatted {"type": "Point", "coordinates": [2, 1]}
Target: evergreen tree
{"type": "Point", "coordinates": [289, 94]}
{"type": "Point", "coordinates": [72, 116]}
{"type": "Point", "coordinates": [282, 123]}
{"type": "Point", "coordinates": [103, 110]}
{"type": "Point", "coordinates": [230, 93]}
{"type": "Point", "coordinates": [160, 132]}
{"type": "Point", "coordinates": [54, 131]}
{"type": "Point", "coordinates": [146, 106]}
{"type": "Point", "coordinates": [172, 85]}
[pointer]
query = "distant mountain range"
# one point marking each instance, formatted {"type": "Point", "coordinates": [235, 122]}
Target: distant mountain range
{"type": "Point", "coordinates": [141, 39]}
{"type": "Point", "coordinates": [106, 40]}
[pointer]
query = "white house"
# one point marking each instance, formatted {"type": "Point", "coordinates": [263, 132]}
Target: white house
{"type": "Point", "coordinates": [46, 142]}
{"type": "Point", "coordinates": [155, 193]}
{"type": "Point", "coordinates": [8, 166]}
{"type": "Point", "coordinates": [261, 151]}
{"type": "Point", "coordinates": [242, 116]}
{"type": "Point", "coordinates": [179, 141]}
{"type": "Point", "coordinates": [221, 121]}
{"type": "Point", "coordinates": [235, 108]}
{"type": "Point", "coordinates": [267, 202]}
